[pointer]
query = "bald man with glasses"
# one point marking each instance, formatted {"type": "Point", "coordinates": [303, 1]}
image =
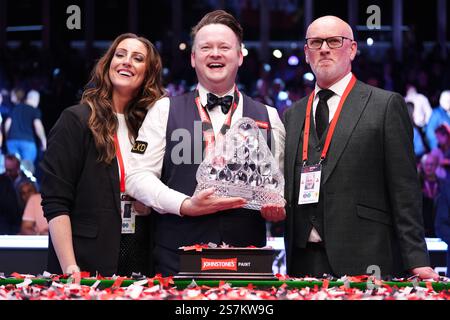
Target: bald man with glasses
{"type": "Point", "coordinates": [356, 140]}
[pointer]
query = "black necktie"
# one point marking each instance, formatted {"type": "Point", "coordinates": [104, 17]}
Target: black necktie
{"type": "Point", "coordinates": [223, 102]}
{"type": "Point", "coordinates": [322, 112]}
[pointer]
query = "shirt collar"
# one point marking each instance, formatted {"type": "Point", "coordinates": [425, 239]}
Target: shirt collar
{"type": "Point", "coordinates": [203, 92]}
{"type": "Point", "coordinates": [338, 88]}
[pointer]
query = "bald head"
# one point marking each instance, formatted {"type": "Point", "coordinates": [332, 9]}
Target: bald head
{"type": "Point", "coordinates": [329, 24]}
{"type": "Point", "coordinates": [330, 65]}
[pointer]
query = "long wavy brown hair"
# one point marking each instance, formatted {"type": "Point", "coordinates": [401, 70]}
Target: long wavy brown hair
{"type": "Point", "coordinates": [98, 95]}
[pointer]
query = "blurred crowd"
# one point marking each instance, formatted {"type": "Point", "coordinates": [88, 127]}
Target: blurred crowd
{"type": "Point", "coordinates": [36, 86]}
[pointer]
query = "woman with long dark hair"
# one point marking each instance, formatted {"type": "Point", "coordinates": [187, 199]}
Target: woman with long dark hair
{"type": "Point", "coordinates": [94, 226]}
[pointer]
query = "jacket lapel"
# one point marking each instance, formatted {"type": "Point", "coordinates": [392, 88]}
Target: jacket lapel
{"type": "Point", "coordinates": [292, 148]}
{"type": "Point", "coordinates": [113, 170]}
{"type": "Point", "coordinates": [351, 112]}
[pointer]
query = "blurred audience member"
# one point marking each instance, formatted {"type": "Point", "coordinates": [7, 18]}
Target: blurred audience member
{"type": "Point", "coordinates": [277, 92]}
{"type": "Point", "coordinates": [431, 188]}
{"type": "Point", "coordinates": [4, 108]}
{"type": "Point", "coordinates": [16, 176]}
{"type": "Point", "coordinates": [442, 152]}
{"type": "Point", "coordinates": [24, 121]}
{"type": "Point", "coordinates": [26, 190]}
{"type": "Point", "coordinates": [418, 140]}
{"type": "Point", "coordinates": [422, 107]}
{"type": "Point", "coordinates": [440, 115]}
{"type": "Point", "coordinates": [33, 98]}
{"type": "Point", "coordinates": [9, 212]}
{"type": "Point", "coordinates": [4, 112]}
{"type": "Point", "coordinates": [262, 93]}
{"type": "Point", "coordinates": [33, 220]}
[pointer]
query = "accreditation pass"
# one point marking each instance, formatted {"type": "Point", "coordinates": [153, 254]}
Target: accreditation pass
{"type": "Point", "coordinates": [310, 184]}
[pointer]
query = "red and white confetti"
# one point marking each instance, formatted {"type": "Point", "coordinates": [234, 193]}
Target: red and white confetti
{"type": "Point", "coordinates": [159, 288]}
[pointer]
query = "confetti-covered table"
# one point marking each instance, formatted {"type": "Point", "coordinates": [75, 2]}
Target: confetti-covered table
{"type": "Point", "coordinates": [347, 288]}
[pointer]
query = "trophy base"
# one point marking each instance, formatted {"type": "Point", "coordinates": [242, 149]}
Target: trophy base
{"type": "Point", "coordinates": [256, 196]}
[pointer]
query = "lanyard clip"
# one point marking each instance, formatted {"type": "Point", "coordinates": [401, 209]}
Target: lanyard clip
{"type": "Point", "coordinates": [321, 160]}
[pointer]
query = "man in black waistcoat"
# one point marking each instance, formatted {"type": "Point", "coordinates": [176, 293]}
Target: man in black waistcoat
{"type": "Point", "coordinates": [168, 151]}
{"type": "Point", "coordinates": [368, 210]}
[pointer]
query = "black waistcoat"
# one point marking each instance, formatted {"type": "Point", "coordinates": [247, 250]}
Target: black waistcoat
{"type": "Point", "coordinates": [238, 227]}
{"type": "Point", "coordinates": [307, 216]}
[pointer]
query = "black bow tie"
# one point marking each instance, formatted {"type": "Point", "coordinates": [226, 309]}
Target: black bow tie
{"type": "Point", "coordinates": [223, 102]}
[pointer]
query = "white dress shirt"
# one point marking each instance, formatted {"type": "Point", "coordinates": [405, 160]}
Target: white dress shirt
{"type": "Point", "coordinates": [338, 88]}
{"type": "Point", "coordinates": [143, 180]}
{"type": "Point", "coordinates": [124, 141]}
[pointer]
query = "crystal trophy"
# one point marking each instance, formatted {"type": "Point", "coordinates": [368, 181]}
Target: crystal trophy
{"type": "Point", "coordinates": [241, 165]}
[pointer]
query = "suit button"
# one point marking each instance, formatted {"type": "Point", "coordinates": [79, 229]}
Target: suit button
{"type": "Point", "coordinates": [318, 149]}
{"type": "Point", "coordinates": [313, 218]}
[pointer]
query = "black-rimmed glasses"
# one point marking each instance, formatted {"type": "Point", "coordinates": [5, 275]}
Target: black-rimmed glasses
{"type": "Point", "coordinates": [332, 42]}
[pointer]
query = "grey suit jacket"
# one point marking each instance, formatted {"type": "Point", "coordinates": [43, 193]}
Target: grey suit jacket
{"type": "Point", "coordinates": [370, 189]}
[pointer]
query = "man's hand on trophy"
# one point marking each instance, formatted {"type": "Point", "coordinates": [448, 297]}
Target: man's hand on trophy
{"type": "Point", "coordinates": [273, 212]}
{"type": "Point", "coordinates": [205, 202]}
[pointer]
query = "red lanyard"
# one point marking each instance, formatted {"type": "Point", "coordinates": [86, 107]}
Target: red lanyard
{"type": "Point", "coordinates": [120, 160]}
{"type": "Point", "coordinates": [207, 128]}
{"type": "Point", "coordinates": [332, 125]}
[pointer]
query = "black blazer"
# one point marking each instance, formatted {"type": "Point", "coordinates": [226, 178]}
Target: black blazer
{"type": "Point", "coordinates": [370, 187]}
{"type": "Point", "coordinates": [75, 183]}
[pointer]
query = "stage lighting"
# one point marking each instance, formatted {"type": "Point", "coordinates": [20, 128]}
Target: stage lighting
{"type": "Point", "coordinates": [308, 76]}
{"type": "Point", "coordinates": [293, 61]}
{"type": "Point", "coordinates": [369, 41]}
{"type": "Point", "coordinates": [182, 46]}
{"type": "Point", "coordinates": [277, 54]}
{"type": "Point", "coordinates": [283, 95]}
